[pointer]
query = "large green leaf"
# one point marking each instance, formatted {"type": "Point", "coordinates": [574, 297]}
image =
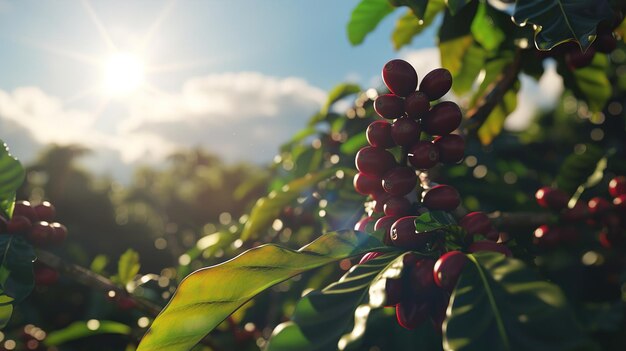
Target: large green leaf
{"type": "Point", "coordinates": [79, 330]}
{"type": "Point", "coordinates": [321, 317]}
{"type": "Point", "coordinates": [500, 304]}
{"type": "Point", "coordinates": [268, 208]}
{"type": "Point", "coordinates": [16, 267]}
{"type": "Point", "coordinates": [11, 177]}
{"type": "Point", "coordinates": [492, 126]}
{"type": "Point", "coordinates": [485, 30]}
{"type": "Point", "coordinates": [410, 25]}
{"type": "Point", "coordinates": [582, 170]}
{"type": "Point", "coordinates": [206, 297]}
{"type": "Point", "coordinates": [592, 83]}
{"type": "Point", "coordinates": [557, 21]}
{"type": "Point", "coordinates": [365, 17]}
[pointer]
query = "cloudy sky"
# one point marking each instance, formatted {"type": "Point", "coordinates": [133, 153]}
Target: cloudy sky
{"type": "Point", "coordinates": [134, 80]}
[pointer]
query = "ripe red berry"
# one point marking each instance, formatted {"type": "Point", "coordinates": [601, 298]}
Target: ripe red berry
{"type": "Point", "coordinates": [416, 105]}
{"type": "Point", "coordinates": [23, 208]}
{"type": "Point", "coordinates": [423, 155]}
{"type": "Point", "coordinates": [451, 148]}
{"type": "Point", "coordinates": [385, 223]}
{"type": "Point", "coordinates": [369, 256]}
{"type": "Point", "coordinates": [405, 131]}
{"type": "Point", "coordinates": [361, 225]}
{"type": "Point", "coordinates": [59, 233]}
{"type": "Point", "coordinates": [442, 197]}
{"type": "Point", "coordinates": [617, 186]}
{"type": "Point", "coordinates": [411, 314]}
{"type": "Point", "coordinates": [393, 291]}
{"type": "Point", "coordinates": [19, 225]}
{"type": "Point", "coordinates": [400, 77]}
{"type": "Point", "coordinates": [45, 275]}
{"type": "Point", "coordinates": [576, 58]}
{"type": "Point", "coordinates": [546, 237]}
{"type": "Point", "coordinates": [389, 106]}
{"type": "Point", "coordinates": [397, 206]}
{"type": "Point", "coordinates": [605, 43]}
{"type": "Point", "coordinates": [380, 199]}
{"type": "Point", "coordinates": [436, 83]}
{"type": "Point", "coordinates": [619, 203]}
{"type": "Point", "coordinates": [404, 235]}
{"type": "Point", "coordinates": [379, 134]}
{"type": "Point", "coordinates": [548, 197]}
{"type": "Point", "coordinates": [40, 233]}
{"type": "Point", "coordinates": [400, 181]}
{"type": "Point", "coordinates": [448, 268]}
{"type": "Point", "coordinates": [421, 278]}
{"type": "Point", "coordinates": [125, 303]}
{"type": "Point", "coordinates": [374, 160]}
{"type": "Point", "coordinates": [598, 206]}
{"type": "Point", "coordinates": [485, 245]}
{"type": "Point", "coordinates": [45, 211]}
{"type": "Point", "coordinates": [367, 184]}
{"type": "Point", "coordinates": [476, 223]}
{"type": "Point", "coordinates": [442, 119]}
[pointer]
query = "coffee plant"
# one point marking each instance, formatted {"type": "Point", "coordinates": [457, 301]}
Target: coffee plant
{"type": "Point", "coordinates": [409, 220]}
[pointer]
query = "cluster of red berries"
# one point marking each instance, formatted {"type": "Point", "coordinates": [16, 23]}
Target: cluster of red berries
{"type": "Point", "coordinates": [598, 212]}
{"type": "Point", "coordinates": [35, 223]}
{"type": "Point", "coordinates": [424, 287]}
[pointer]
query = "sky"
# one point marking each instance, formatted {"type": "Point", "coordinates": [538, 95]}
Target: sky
{"type": "Point", "coordinates": [236, 77]}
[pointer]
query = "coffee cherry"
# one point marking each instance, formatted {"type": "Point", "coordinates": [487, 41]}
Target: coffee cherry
{"type": "Point", "coordinates": [421, 278]}
{"type": "Point", "coordinates": [546, 237]}
{"type": "Point", "coordinates": [59, 233]}
{"type": "Point", "coordinates": [416, 105]}
{"type": "Point", "coordinates": [436, 83]}
{"type": "Point", "coordinates": [605, 43]}
{"type": "Point", "coordinates": [442, 119]}
{"type": "Point", "coordinates": [45, 211]}
{"type": "Point", "coordinates": [423, 155]}
{"type": "Point", "coordinates": [598, 206]}
{"type": "Point", "coordinates": [397, 206]}
{"type": "Point", "coordinates": [485, 245]}
{"type": "Point", "coordinates": [448, 268]}
{"type": "Point", "coordinates": [548, 197]}
{"type": "Point", "coordinates": [404, 235]}
{"type": "Point", "coordinates": [361, 225]}
{"type": "Point", "coordinates": [411, 314]}
{"type": "Point", "coordinates": [576, 58]}
{"type": "Point", "coordinates": [400, 181]}
{"type": "Point", "coordinates": [366, 184]}
{"type": "Point", "coordinates": [19, 225]}
{"type": "Point", "coordinates": [369, 256]}
{"type": "Point", "coordinates": [617, 186]}
{"type": "Point", "coordinates": [23, 208]}
{"type": "Point", "coordinates": [45, 275]}
{"type": "Point", "coordinates": [40, 233]}
{"type": "Point", "coordinates": [393, 291]}
{"type": "Point", "coordinates": [379, 134]}
{"type": "Point", "coordinates": [476, 223]}
{"type": "Point", "coordinates": [405, 131]}
{"type": "Point", "coordinates": [125, 303]}
{"type": "Point", "coordinates": [400, 77]}
{"type": "Point", "coordinates": [451, 148]}
{"type": "Point", "coordinates": [389, 106]}
{"type": "Point", "coordinates": [442, 197]}
{"type": "Point", "coordinates": [380, 199]}
{"type": "Point", "coordinates": [374, 161]}
{"type": "Point", "coordinates": [619, 202]}
{"type": "Point", "coordinates": [385, 223]}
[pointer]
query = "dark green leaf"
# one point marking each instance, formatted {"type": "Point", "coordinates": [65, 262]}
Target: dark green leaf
{"type": "Point", "coordinates": [434, 220]}
{"type": "Point", "coordinates": [365, 17]}
{"type": "Point", "coordinates": [410, 25]}
{"type": "Point", "coordinates": [206, 297]}
{"type": "Point", "coordinates": [557, 21]}
{"type": "Point", "coordinates": [592, 84]}
{"type": "Point", "coordinates": [485, 31]}
{"type": "Point", "coordinates": [79, 330]}
{"type": "Point", "coordinates": [581, 170]}
{"type": "Point", "coordinates": [17, 267]}
{"type": "Point", "coordinates": [11, 177]}
{"type": "Point", "coordinates": [500, 304]}
{"type": "Point", "coordinates": [418, 7]}
{"type": "Point", "coordinates": [456, 5]}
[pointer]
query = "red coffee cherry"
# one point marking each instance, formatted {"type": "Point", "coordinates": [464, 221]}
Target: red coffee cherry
{"type": "Point", "coordinates": [40, 234]}
{"type": "Point", "coordinates": [448, 268]}
{"type": "Point", "coordinates": [367, 184]}
{"type": "Point", "coordinates": [546, 237]}
{"type": "Point", "coordinates": [485, 245]}
{"type": "Point", "coordinates": [442, 119]}
{"type": "Point", "coordinates": [617, 186]}
{"type": "Point", "coordinates": [19, 225]}
{"type": "Point", "coordinates": [374, 161]}
{"type": "Point", "coordinates": [393, 291]}
{"type": "Point", "coordinates": [451, 148]}
{"type": "Point", "coordinates": [405, 131]}
{"type": "Point", "coordinates": [548, 197]}
{"type": "Point", "coordinates": [576, 58]}
{"type": "Point", "coordinates": [369, 256]}
{"type": "Point", "coordinates": [442, 197]}
{"type": "Point", "coordinates": [45, 211]}
{"type": "Point", "coordinates": [389, 106]}
{"type": "Point", "coordinates": [476, 223]}
{"type": "Point", "coordinates": [619, 202]}
{"type": "Point", "coordinates": [400, 77]}
{"type": "Point", "coordinates": [436, 83]}
{"type": "Point", "coordinates": [23, 208]}
{"type": "Point", "coordinates": [598, 206]}
{"type": "Point", "coordinates": [380, 199]}
{"type": "Point", "coordinates": [421, 278]}
{"type": "Point", "coordinates": [423, 155]}
{"type": "Point", "coordinates": [416, 105]}
{"type": "Point", "coordinates": [385, 223]}
{"type": "Point", "coordinates": [397, 206]}
{"type": "Point", "coordinates": [59, 233]}
{"type": "Point", "coordinates": [125, 303]}
{"type": "Point", "coordinates": [379, 134]}
{"type": "Point", "coordinates": [411, 314]}
{"type": "Point", "coordinates": [438, 311]}
{"type": "Point", "coordinates": [400, 181]}
{"type": "Point", "coordinates": [361, 225]}
{"type": "Point", "coordinates": [45, 275]}
{"type": "Point", "coordinates": [404, 235]}
{"type": "Point", "coordinates": [605, 43]}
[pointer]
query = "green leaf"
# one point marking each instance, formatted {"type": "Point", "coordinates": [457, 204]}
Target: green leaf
{"type": "Point", "coordinates": [456, 5]}
{"type": "Point", "coordinates": [485, 31]}
{"type": "Point", "coordinates": [6, 310]}
{"type": "Point", "coordinates": [434, 220]}
{"type": "Point", "coordinates": [79, 330]}
{"type": "Point", "coordinates": [206, 297]}
{"type": "Point", "coordinates": [127, 267]}
{"type": "Point", "coordinates": [500, 304]}
{"type": "Point", "coordinates": [557, 21]}
{"type": "Point", "coordinates": [592, 83]}
{"type": "Point", "coordinates": [365, 17]}
{"type": "Point", "coordinates": [337, 93]}
{"type": "Point", "coordinates": [410, 25]}
{"type": "Point", "coordinates": [418, 7]}
{"type": "Point", "coordinates": [472, 63]}
{"type": "Point", "coordinates": [99, 263]}
{"type": "Point", "coordinates": [268, 208]}
{"type": "Point", "coordinates": [495, 121]}
{"type": "Point", "coordinates": [16, 267]}
{"type": "Point", "coordinates": [321, 317]}
{"type": "Point", "coordinates": [582, 170]}
{"type": "Point", "coordinates": [11, 178]}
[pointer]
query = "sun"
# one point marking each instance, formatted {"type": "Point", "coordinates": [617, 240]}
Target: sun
{"type": "Point", "coordinates": [123, 74]}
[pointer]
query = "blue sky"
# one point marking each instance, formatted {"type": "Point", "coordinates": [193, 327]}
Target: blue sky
{"type": "Point", "coordinates": [237, 77]}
